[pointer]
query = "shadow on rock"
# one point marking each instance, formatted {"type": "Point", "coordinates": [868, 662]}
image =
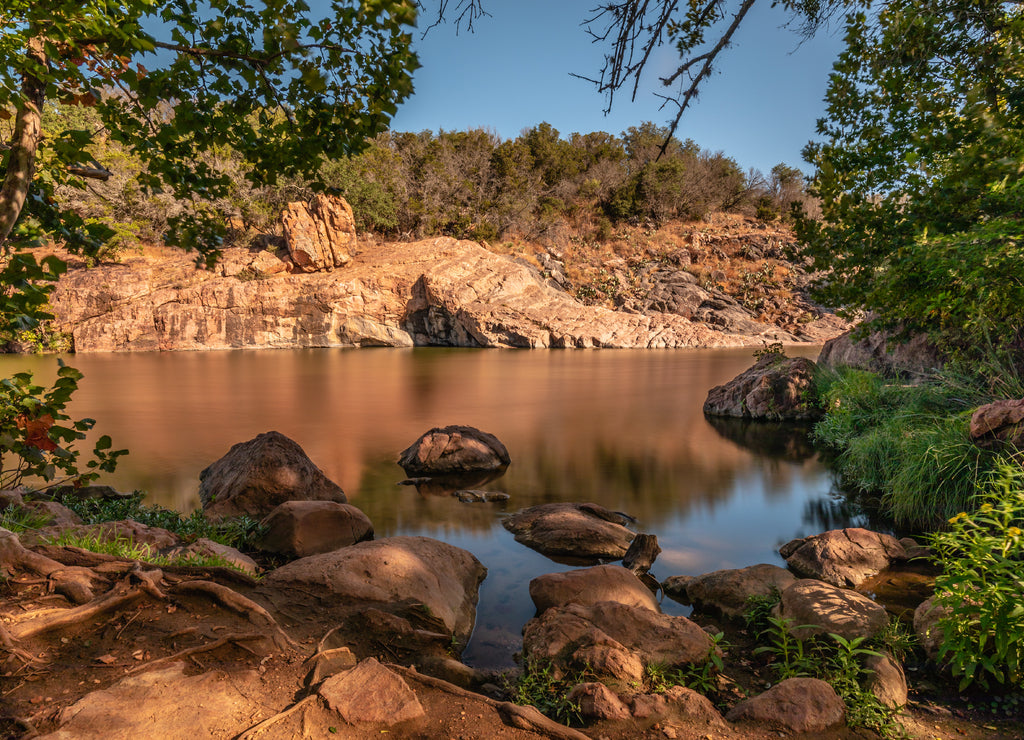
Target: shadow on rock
{"type": "Point", "coordinates": [785, 440]}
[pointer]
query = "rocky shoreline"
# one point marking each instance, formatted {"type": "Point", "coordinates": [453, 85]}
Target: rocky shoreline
{"type": "Point", "coordinates": [330, 631]}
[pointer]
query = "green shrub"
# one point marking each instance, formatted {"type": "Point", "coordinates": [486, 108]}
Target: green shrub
{"type": "Point", "coordinates": [37, 439]}
{"type": "Point", "coordinates": [982, 555]}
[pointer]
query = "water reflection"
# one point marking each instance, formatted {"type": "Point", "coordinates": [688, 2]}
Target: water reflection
{"type": "Point", "coordinates": [623, 429]}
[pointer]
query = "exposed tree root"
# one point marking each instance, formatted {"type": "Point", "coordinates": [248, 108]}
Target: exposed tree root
{"type": "Point", "coordinates": [75, 583]}
{"type": "Point", "coordinates": [241, 605]}
{"type": "Point", "coordinates": [252, 731]}
{"type": "Point", "coordinates": [121, 595]}
{"type": "Point", "coordinates": [233, 638]}
{"type": "Point", "coordinates": [7, 643]}
{"type": "Point", "coordinates": [524, 718]}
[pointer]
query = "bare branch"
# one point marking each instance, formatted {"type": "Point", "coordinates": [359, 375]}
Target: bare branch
{"type": "Point", "coordinates": [467, 12]}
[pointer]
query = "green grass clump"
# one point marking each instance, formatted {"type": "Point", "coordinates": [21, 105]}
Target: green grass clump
{"type": "Point", "coordinates": [237, 532]}
{"type": "Point", "coordinates": [21, 518]}
{"type": "Point", "coordinates": [122, 547]}
{"type": "Point", "coordinates": [909, 445]}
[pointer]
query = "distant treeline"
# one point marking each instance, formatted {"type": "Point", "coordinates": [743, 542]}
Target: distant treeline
{"type": "Point", "coordinates": [466, 184]}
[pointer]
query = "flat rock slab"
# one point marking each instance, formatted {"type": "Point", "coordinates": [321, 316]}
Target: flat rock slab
{"type": "Point", "coordinates": [727, 591]}
{"type": "Point", "coordinates": [297, 529]}
{"type": "Point", "coordinates": [613, 639]}
{"type": "Point", "coordinates": [588, 586]}
{"type": "Point", "coordinates": [163, 704]}
{"type": "Point", "coordinates": [370, 693]}
{"type": "Point", "coordinates": [433, 576]}
{"type": "Point", "coordinates": [793, 705]}
{"type": "Point", "coordinates": [454, 450]}
{"type": "Point", "coordinates": [573, 530]}
{"type": "Point", "coordinates": [776, 388]}
{"type": "Point", "coordinates": [817, 608]}
{"type": "Point", "coordinates": [843, 557]}
{"type": "Point", "coordinates": [254, 477]}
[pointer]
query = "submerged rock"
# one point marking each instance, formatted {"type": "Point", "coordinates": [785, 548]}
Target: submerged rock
{"type": "Point", "coordinates": [453, 450]}
{"type": "Point", "coordinates": [843, 557]}
{"type": "Point", "coordinates": [254, 477]}
{"type": "Point", "coordinates": [573, 530]}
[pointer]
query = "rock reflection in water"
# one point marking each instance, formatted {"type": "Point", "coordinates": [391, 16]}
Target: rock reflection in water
{"type": "Point", "coordinates": [623, 429]}
{"type": "Point", "coordinates": [785, 440]}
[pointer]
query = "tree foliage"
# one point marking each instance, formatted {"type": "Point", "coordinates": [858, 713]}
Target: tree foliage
{"type": "Point", "coordinates": [919, 171]}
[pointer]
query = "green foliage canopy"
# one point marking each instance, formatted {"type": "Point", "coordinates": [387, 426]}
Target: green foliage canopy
{"type": "Point", "coordinates": [919, 171]}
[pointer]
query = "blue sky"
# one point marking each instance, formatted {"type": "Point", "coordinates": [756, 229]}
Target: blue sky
{"type": "Point", "coordinates": [513, 72]}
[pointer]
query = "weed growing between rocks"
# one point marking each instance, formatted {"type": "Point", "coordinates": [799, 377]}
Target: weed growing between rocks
{"type": "Point", "coordinates": [236, 532]}
{"type": "Point", "coordinates": [20, 519]}
{"type": "Point", "coordinates": [542, 687]}
{"type": "Point", "coordinates": [834, 659]}
{"type": "Point", "coordinates": [701, 677]}
{"type": "Point", "coordinates": [980, 586]}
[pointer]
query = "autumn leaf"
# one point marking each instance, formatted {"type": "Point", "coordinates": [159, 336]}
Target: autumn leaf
{"type": "Point", "coordinates": [37, 431]}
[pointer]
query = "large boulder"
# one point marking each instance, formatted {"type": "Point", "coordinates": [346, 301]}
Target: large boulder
{"type": "Point", "coordinates": [321, 234]}
{"type": "Point", "coordinates": [843, 557]}
{"type": "Point", "coordinates": [879, 353]}
{"type": "Point", "coordinates": [727, 591]}
{"type": "Point", "coordinates": [296, 529]}
{"type": "Point", "coordinates": [776, 388]}
{"type": "Point", "coordinates": [816, 608]}
{"type": "Point", "coordinates": [434, 577]}
{"type": "Point", "coordinates": [254, 477]}
{"type": "Point", "coordinates": [163, 704]}
{"type": "Point", "coordinates": [802, 705]}
{"type": "Point", "coordinates": [613, 640]}
{"type": "Point", "coordinates": [571, 530]}
{"type": "Point", "coordinates": [589, 586]}
{"type": "Point", "coordinates": [453, 450]}
{"type": "Point", "coordinates": [999, 423]}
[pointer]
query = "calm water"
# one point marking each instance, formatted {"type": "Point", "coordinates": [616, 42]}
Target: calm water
{"type": "Point", "coordinates": [620, 428]}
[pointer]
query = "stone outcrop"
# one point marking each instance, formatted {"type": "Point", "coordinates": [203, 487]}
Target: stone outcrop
{"type": "Point", "coordinates": [296, 529]}
{"type": "Point", "coordinates": [877, 353]}
{"type": "Point", "coordinates": [438, 578]}
{"type": "Point", "coordinates": [588, 586]}
{"type": "Point", "coordinates": [613, 640]}
{"type": "Point", "coordinates": [454, 450]}
{"type": "Point", "coordinates": [571, 530]}
{"type": "Point", "coordinates": [776, 388]}
{"type": "Point", "coordinates": [321, 234]}
{"type": "Point", "coordinates": [795, 705]}
{"type": "Point", "coordinates": [727, 591]}
{"type": "Point", "coordinates": [843, 557]}
{"type": "Point", "coordinates": [999, 423]}
{"type": "Point", "coordinates": [817, 608]}
{"type": "Point", "coordinates": [434, 292]}
{"type": "Point", "coordinates": [254, 477]}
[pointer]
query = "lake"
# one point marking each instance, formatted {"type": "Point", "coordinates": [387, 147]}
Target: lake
{"type": "Point", "coordinates": [621, 428]}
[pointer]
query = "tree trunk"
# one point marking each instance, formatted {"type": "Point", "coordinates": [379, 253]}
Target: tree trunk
{"type": "Point", "coordinates": [24, 143]}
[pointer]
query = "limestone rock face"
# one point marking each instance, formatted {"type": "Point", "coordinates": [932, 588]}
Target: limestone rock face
{"type": "Point", "coordinates": [613, 639]}
{"type": "Point", "coordinates": [442, 578]}
{"type": "Point", "coordinates": [819, 608]}
{"type": "Point", "coordinates": [254, 477]}
{"type": "Point", "coordinates": [453, 450]}
{"type": "Point", "coordinates": [843, 557]}
{"type": "Point", "coordinates": [299, 528]}
{"type": "Point", "coordinates": [776, 388]}
{"type": "Point", "coordinates": [793, 705]}
{"type": "Point", "coordinates": [999, 423]}
{"type": "Point", "coordinates": [439, 292]}
{"type": "Point", "coordinates": [574, 530]}
{"type": "Point", "coordinates": [321, 235]}
{"type": "Point", "coordinates": [727, 591]}
{"type": "Point", "coordinates": [587, 586]}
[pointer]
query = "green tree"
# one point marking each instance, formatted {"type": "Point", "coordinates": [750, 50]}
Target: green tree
{"type": "Point", "coordinates": [171, 82]}
{"type": "Point", "coordinates": [919, 173]}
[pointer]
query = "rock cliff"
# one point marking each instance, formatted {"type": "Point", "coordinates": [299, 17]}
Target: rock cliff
{"type": "Point", "coordinates": [433, 292]}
